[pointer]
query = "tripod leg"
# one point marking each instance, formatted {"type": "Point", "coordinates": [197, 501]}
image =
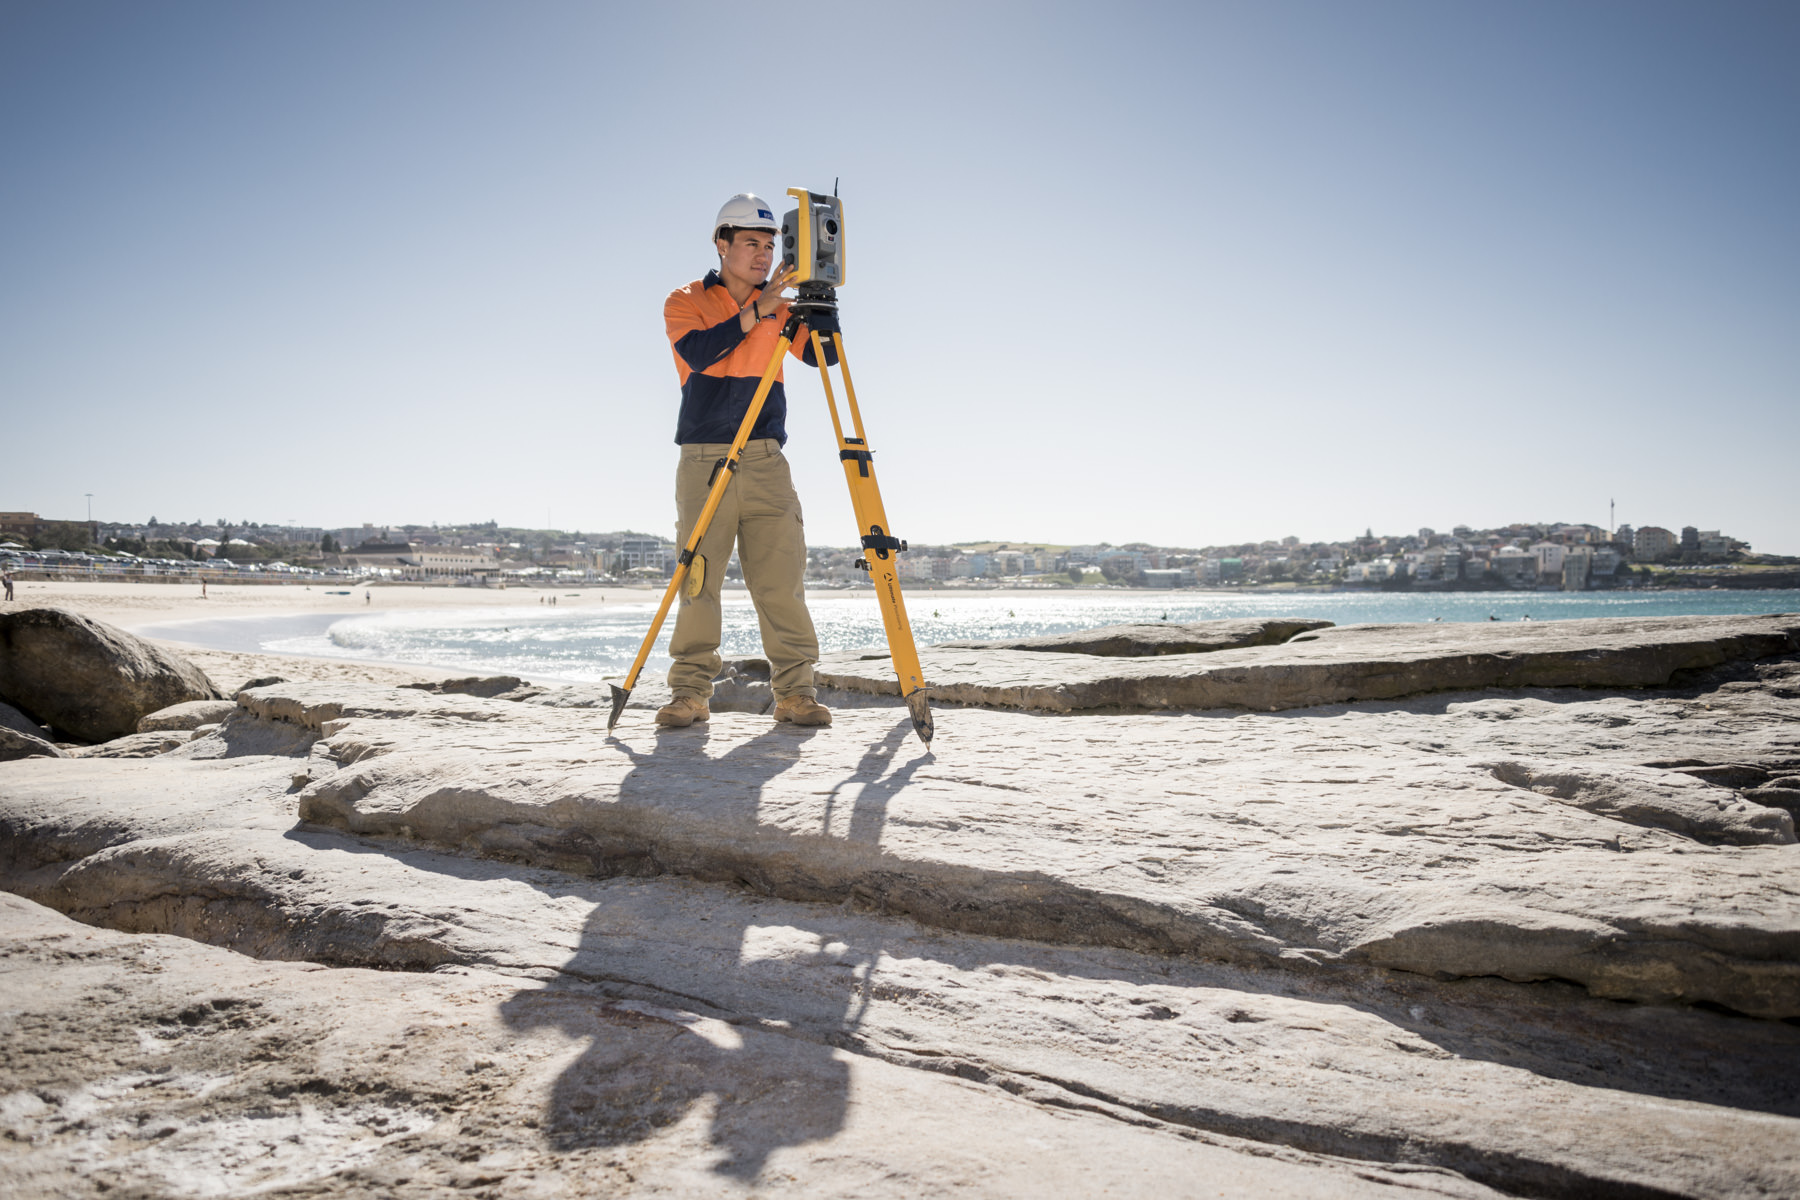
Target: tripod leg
{"type": "Point", "coordinates": [881, 549]}
{"type": "Point", "coordinates": [721, 481]}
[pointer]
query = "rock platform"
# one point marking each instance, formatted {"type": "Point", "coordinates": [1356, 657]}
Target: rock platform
{"type": "Point", "coordinates": [1526, 940]}
{"type": "Point", "coordinates": [1326, 665]}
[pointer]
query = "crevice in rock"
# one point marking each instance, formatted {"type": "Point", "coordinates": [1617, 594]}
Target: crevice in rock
{"type": "Point", "coordinates": [1516, 1174]}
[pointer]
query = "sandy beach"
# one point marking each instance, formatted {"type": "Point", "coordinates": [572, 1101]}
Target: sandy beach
{"type": "Point", "coordinates": [133, 606]}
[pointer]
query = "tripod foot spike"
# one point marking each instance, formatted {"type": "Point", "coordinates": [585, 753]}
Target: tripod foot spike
{"type": "Point", "coordinates": [619, 696]}
{"type": "Point", "coordinates": [921, 715]}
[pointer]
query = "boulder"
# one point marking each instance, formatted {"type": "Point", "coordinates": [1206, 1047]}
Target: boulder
{"type": "Point", "coordinates": [190, 714]}
{"type": "Point", "coordinates": [87, 678]}
{"type": "Point", "coordinates": [741, 690]}
{"type": "Point", "coordinates": [1149, 639]}
{"type": "Point", "coordinates": [14, 744]}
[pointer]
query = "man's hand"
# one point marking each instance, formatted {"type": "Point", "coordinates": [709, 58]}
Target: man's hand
{"type": "Point", "coordinates": [771, 297]}
{"type": "Point", "coordinates": [768, 301]}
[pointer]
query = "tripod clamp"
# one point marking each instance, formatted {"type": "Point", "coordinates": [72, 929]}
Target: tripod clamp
{"type": "Point", "coordinates": [815, 306]}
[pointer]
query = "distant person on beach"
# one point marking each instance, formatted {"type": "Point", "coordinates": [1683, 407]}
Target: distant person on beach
{"type": "Point", "coordinates": [723, 330]}
{"type": "Point", "coordinates": [368, 597]}
{"type": "Point", "coordinates": [6, 579]}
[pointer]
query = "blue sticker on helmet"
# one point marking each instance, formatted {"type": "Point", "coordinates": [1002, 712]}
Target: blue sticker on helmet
{"type": "Point", "coordinates": [765, 214]}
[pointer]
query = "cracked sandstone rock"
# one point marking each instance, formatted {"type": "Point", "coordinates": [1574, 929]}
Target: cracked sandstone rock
{"type": "Point", "coordinates": [1537, 1092]}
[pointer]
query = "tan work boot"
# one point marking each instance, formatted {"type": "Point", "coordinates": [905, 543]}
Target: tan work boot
{"type": "Point", "coordinates": [802, 710]}
{"type": "Point", "coordinates": [682, 711]}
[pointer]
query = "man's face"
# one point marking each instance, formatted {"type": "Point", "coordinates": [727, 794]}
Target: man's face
{"type": "Point", "coordinates": [748, 256]}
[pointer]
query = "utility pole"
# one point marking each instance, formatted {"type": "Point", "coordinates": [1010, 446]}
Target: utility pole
{"type": "Point", "coordinates": [90, 497]}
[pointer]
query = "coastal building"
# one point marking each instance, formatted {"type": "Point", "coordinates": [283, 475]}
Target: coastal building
{"type": "Point", "coordinates": [17, 526]}
{"type": "Point", "coordinates": [1578, 535]}
{"type": "Point", "coordinates": [1550, 557]}
{"type": "Point", "coordinates": [636, 552]}
{"type": "Point", "coordinates": [566, 556]}
{"type": "Point", "coordinates": [1516, 567]}
{"type": "Point", "coordinates": [1651, 543]}
{"type": "Point", "coordinates": [406, 560]}
{"type": "Point", "coordinates": [21, 527]}
{"type": "Point", "coordinates": [1576, 565]}
{"type": "Point", "coordinates": [371, 556]}
{"type": "Point", "coordinates": [1714, 544]}
{"type": "Point", "coordinates": [1374, 571]}
{"type": "Point", "coordinates": [438, 562]}
{"type": "Point", "coordinates": [1441, 562]}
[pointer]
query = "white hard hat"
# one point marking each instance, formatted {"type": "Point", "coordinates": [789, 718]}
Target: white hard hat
{"type": "Point", "coordinates": [746, 210]}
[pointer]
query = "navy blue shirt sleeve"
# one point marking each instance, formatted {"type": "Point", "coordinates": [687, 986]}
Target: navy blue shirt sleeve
{"type": "Point", "coordinates": [702, 348]}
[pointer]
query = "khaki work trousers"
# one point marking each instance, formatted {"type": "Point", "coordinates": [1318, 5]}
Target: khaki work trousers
{"type": "Point", "coordinates": [760, 514]}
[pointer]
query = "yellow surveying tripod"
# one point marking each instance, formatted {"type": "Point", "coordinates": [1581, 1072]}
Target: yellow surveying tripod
{"type": "Point", "coordinates": [812, 245]}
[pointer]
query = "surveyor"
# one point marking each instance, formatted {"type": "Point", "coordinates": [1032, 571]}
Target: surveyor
{"type": "Point", "coordinates": [723, 330]}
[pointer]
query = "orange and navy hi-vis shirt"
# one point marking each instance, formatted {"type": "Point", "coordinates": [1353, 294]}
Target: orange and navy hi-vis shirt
{"type": "Point", "coordinates": [719, 365]}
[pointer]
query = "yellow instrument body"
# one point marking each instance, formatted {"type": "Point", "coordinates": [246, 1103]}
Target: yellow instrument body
{"type": "Point", "coordinates": [816, 228]}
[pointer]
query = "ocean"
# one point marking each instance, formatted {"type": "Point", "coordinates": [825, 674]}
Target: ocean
{"type": "Point", "coordinates": [582, 640]}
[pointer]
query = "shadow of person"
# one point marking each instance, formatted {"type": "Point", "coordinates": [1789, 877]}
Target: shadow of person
{"type": "Point", "coordinates": [654, 1059]}
{"type": "Point", "coordinates": [868, 812]}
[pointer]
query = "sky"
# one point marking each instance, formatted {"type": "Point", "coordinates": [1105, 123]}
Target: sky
{"type": "Point", "coordinates": [1189, 274]}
